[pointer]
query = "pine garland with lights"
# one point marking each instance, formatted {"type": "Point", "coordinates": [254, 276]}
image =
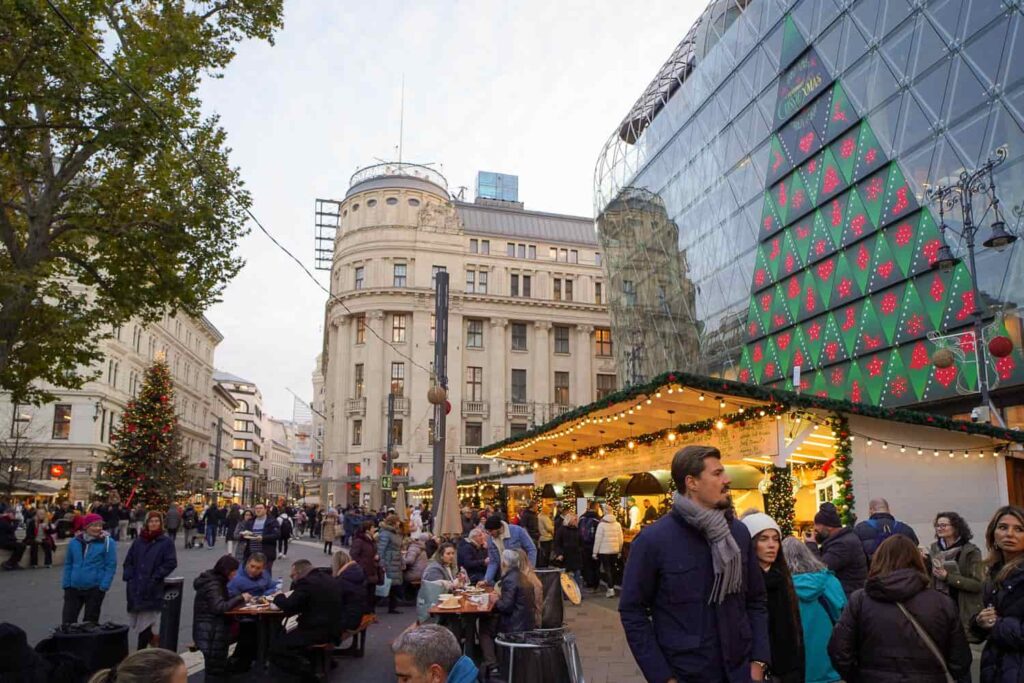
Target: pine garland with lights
{"type": "Point", "coordinates": [613, 497]}
{"type": "Point", "coordinates": [844, 500]}
{"type": "Point", "coordinates": [778, 501]}
{"type": "Point", "coordinates": [147, 465]}
{"type": "Point", "coordinates": [567, 501]}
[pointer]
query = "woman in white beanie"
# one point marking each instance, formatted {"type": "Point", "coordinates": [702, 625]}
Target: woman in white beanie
{"type": "Point", "coordinates": [785, 634]}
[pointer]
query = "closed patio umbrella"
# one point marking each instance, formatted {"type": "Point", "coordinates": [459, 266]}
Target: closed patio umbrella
{"type": "Point", "coordinates": [446, 514]}
{"type": "Point", "coordinates": [401, 504]}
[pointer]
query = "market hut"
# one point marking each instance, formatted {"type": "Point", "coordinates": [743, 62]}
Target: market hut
{"type": "Point", "coordinates": [789, 451]}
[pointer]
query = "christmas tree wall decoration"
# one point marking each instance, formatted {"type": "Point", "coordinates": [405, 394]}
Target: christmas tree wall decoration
{"type": "Point", "coordinates": [147, 465]}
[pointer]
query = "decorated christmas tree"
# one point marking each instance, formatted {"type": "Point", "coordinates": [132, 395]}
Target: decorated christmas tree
{"type": "Point", "coordinates": [147, 465]}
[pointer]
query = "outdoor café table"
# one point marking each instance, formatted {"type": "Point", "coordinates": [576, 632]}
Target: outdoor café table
{"type": "Point", "coordinates": [266, 617]}
{"type": "Point", "coordinates": [467, 612]}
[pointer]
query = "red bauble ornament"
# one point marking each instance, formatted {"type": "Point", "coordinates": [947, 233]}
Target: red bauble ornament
{"type": "Point", "coordinates": [1000, 347]}
{"type": "Point", "coordinates": [202, 465]}
{"type": "Point", "coordinates": [163, 399]}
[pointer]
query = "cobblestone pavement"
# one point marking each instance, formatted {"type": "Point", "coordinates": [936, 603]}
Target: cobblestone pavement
{"type": "Point", "coordinates": [601, 641]}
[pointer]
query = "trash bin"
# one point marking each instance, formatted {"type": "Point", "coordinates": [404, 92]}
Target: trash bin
{"type": "Point", "coordinates": [170, 614]}
{"type": "Point", "coordinates": [552, 609]}
{"type": "Point", "coordinates": [97, 646]}
{"type": "Point", "coordinates": [541, 656]}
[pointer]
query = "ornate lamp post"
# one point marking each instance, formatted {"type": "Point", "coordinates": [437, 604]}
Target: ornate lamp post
{"type": "Point", "coordinates": [961, 193]}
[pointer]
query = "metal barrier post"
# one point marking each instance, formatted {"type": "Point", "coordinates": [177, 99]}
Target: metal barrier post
{"type": "Point", "coordinates": [170, 615]}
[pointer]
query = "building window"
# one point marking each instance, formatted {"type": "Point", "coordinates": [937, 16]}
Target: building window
{"type": "Point", "coordinates": [605, 386]}
{"type": "Point", "coordinates": [485, 246]}
{"type": "Point", "coordinates": [526, 286]}
{"type": "Point", "coordinates": [398, 379]}
{"type": "Point", "coordinates": [481, 282]}
{"type": "Point", "coordinates": [474, 246]}
{"type": "Point", "coordinates": [434, 270]}
{"type": "Point", "coordinates": [568, 289]}
{"type": "Point", "coordinates": [360, 329]}
{"type": "Point", "coordinates": [474, 384]}
{"type": "Point", "coordinates": [558, 289]}
{"type": "Point", "coordinates": [629, 291]}
{"type": "Point", "coordinates": [562, 388]}
{"type": "Point", "coordinates": [597, 258]}
{"type": "Point", "coordinates": [433, 327]}
{"type": "Point", "coordinates": [519, 386]}
{"type": "Point", "coordinates": [532, 251]}
{"type": "Point", "coordinates": [474, 434]}
{"type": "Point", "coordinates": [396, 432]}
{"type": "Point", "coordinates": [563, 255]}
{"type": "Point", "coordinates": [358, 381]}
{"type": "Point", "coordinates": [400, 273]}
{"type": "Point", "coordinates": [513, 288]}
{"type": "Point", "coordinates": [470, 282]}
{"type": "Point", "coordinates": [519, 336]}
{"type": "Point", "coordinates": [574, 256]}
{"type": "Point", "coordinates": [516, 429]}
{"type": "Point", "coordinates": [510, 249]}
{"type": "Point", "coordinates": [561, 339]}
{"type": "Point", "coordinates": [603, 341]}
{"type": "Point", "coordinates": [360, 271]}
{"type": "Point", "coordinates": [357, 432]}
{"type": "Point", "coordinates": [391, 201]}
{"type": "Point", "coordinates": [597, 293]}
{"type": "Point", "coordinates": [521, 251]}
{"type": "Point", "coordinates": [475, 334]}
{"type": "Point", "coordinates": [62, 421]}
{"type": "Point", "coordinates": [398, 327]}
{"type": "Point", "coordinates": [553, 254]}
{"type": "Point", "coordinates": [474, 470]}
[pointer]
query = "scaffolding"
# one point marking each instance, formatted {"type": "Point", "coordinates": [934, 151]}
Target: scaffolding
{"type": "Point", "coordinates": [327, 219]}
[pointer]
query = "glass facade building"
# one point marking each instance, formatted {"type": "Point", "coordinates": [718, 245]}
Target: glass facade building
{"type": "Point", "coordinates": [500, 186]}
{"type": "Point", "coordinates": [764, 204]}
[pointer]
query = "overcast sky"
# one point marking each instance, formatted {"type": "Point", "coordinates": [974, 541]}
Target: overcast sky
{"type": "Point", "coordinates": [532, 88]}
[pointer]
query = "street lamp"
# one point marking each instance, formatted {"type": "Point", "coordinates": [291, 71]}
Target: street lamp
{"type": "Point", "coordinates": [961, 192]}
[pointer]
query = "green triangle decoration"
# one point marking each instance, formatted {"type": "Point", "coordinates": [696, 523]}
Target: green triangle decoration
{"type": "Point", "coordinates": [793, 291]}
{"type": "Point", "coordinates": [793, 42]}
{"type": "Point", "coordinates": [811, 172]}
{"type": "Point", "coordinates": [820, 386]}
{"type": "Point", "coordinates": [849, 323]}
{"type": "Point", "coordinates": [759, 354]}
{"type": "Point", "coordinates": [856, 382]}
{"type": "Point", "coordinates": [884, 270]}
{"type": "Point", "coordinates": [801, 351]}
{"type": "Point", "coordinates": [802, 233]}
{"type": "Point", "coordinates": [779, 315]}
{"type": "Point", "coordinates": [833, 348]}
{"type": "Point", "coordinates": [790, 258]}
{"type": "Point", "coordinates": [887, 306]}
{"type": "Point", "coordinates": [799, 203]}
{"type": "Point", "coordinates": [837, 377]}
{"type": "Point", "coordinates": [834, 217]}
{"type": "Point", "coordinates": [934, 291]}
{"type": "Point", "coordinates": [824, 275]}
{"type": "Point", "coordinates": [771, 222]}
{"type": "Point", "coordinates": [870, 337]}
{"type": "Point", "coordinates": [969, 366]}
{"type": "Point", "coordinates": [927, 243]}
{"type": "Point", "coordinates": [859, 257]}
{"type": "Point", "coordinates": [913, 316]}
{"type": "Point", "coordinates": [841, 113]}
{"type": "Point", "coordinates": [771, 370]}
{"type": "Point", "coordinates": [960, 302]}
{"type": "Point", "coordinates": [812, 332]}
{"type": "Point", "coordinates": [901, 237]}
{"type": "Point", "coordinates": [844, 151]}
{"type": "Point", "coordinates": [845, 287]}
{"type": "Point", "coordinates": [898, 389]}
{"type": "Point", "coordinates": [875, 368]}
{"type": "Point", "coordinates": [858, 222]}
{"type": "Point", "coordinates": [872, 193]}
{"type": "Point", "coordinates": [764, 275]}
{"type": "Point", "coordinates": [869, 153]}
{"type": "Point", "coordinates": [820, 244]}
{"type": "Point", "coordinates": [746, 373]}
{"type": "Point", "coordinates": [771, 255]}
{"type": "Point", "coordinates": [780, 193]}
{"type": "Point", "coordinates": [778, 163]}
{"type": "Point", "coordinates": [917, 362]}
{"type": "Point", "coordinates": [784, 346]}
{"type": "Point", "coordinates": [831, 181]}
{"type": "Point", "coordinates": [755, 321]}
{"type": "Point", "coordinates": [899, 197]}
{"type": "Point", "coordinates": [942, 382]}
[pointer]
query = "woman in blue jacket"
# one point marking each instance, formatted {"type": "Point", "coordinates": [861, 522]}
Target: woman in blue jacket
{"type": "Point", "coordinates": [822, 600]}
{"type": "Point", "coordinates": [150, 560]}
{"type": "Point", "coordinates": [89, 568]}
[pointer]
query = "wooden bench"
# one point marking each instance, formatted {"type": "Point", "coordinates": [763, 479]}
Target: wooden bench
{"type": "Point", "coordinates": [58, 554]}
{"type": "Point", "coordinates": [321, 656]}
{"type": "Point", "coordinates": [358, 636]}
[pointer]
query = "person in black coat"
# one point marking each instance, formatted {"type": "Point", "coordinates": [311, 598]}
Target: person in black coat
{"type": "Point", "coordinates": [1001, 622]}
{"type": "Point", "coordinates": [472, 555]}
{"type": "Point", "coordinates": [316, 600]}
{"type": "Point", "coordinates": [841, 549]}
{"type": "Point", "coordinates": [568, 549]}
{"type": "Point", "coordinates": [211, 630]}
{"type": "Point", "coordinates": [876, 641]}
{"type": "Point", "coordinates": [350, 580]}
{"type": "Point", "coordinates": [150, 560]}
{"type": "Point", "coordinates": [260, 535]}
{"type": "Point", "coordinates": [528, 520]}
{"type": "Point", "coordinates": [514, 611]}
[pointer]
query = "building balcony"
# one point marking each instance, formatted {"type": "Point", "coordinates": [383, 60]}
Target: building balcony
{"type": "Point", "coordinates": [559, 409]}
{"type": "Point", "coordinates": [401, 405]}
{"type": "Point", "coordinates": [520, 409]}
{"type": "Point", "coordinates": [248, 474]}
{"type": "Point", "coordinates": [355, 406]}
{"type": "Point", "coordinates": [476, 408]}
{"type": "Point", "coordinates": [470, 450]}
{"type": "Point", "coordinates": [351, 479]}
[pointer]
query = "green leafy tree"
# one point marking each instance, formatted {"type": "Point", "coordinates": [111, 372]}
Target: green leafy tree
{"type": "Point", "coordinates": [111, 208]}
{"type": "Point", "coordinates": [147, 465]}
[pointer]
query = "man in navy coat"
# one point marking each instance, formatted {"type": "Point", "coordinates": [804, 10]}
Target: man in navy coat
{"type": "Point", "coordinates": [693, 598]}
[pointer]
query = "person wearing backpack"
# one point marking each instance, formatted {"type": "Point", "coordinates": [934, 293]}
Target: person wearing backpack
{"type": "Point", "coordinates": [880, 526]}
{"type": "Point", "coordinates": [588, 523]}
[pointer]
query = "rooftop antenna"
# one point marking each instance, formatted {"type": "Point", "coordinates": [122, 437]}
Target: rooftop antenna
{"type": "Point", "coordinates": [401, 121]}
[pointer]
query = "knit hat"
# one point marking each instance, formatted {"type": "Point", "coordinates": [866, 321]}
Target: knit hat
{"type": "Point", "coordinates": [828, 516]}
{"type": "Point", "coordinates": [91, 518]}
{"type": "Point", "coordinates": [493, 522]}
{"type": "Point", "coordinates": [758, 521]}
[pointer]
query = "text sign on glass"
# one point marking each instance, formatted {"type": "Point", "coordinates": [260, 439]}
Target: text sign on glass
{"type": "Point", "coordinates": [800, 84]}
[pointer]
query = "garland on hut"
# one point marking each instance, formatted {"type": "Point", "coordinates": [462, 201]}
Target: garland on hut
{"type": "Point", "coordinates": [779, 501]}
{"type": "Point", "coordinates": [843, 465]}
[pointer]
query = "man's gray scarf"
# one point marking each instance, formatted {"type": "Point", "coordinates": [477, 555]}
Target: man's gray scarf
{"type": "Point", "coordinates": [725, 554]}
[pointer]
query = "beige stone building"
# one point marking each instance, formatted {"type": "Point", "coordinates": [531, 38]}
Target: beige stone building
{"type": "Point", "coordinates": [249, 436]}
{"type": "Point", "coordinates": [528, 328]}
{"type": "Point", "coordinates": [67, 441]}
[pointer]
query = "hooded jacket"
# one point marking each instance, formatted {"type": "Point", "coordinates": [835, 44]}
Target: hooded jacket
{"type": "Point", "coordinates": [821, 600]}
{"type": "Point", "coordinates": [389, 547]}
{"type": "Point", "coordinates": [211, 630]}
{"type": "Point", "coordinates": [351, 585]}
{"type": "Point", "coordinates": [90, 562]}
{"type": "Point", "coordinates": [516, 606]}
{"type": "Point", "coordinates": [844, 555]}
{"type": "Point", "coordinates": [874, 642]}
{"type": "Point", "coordinates": [608, 539]}
{"type": "Point", "coordinates": [149, 561]}
{"type": "Point", "coordinates": [1002, 660]}
{"type": "Point", "coordinates": [415, 560]}
{"type": "Point", "coordinates": [363, 551]}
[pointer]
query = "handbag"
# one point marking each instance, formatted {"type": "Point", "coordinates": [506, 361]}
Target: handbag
{"type": "Point", "coordinates": [929, 643]}
{"type": "Point", "coordinates": [383, 588]}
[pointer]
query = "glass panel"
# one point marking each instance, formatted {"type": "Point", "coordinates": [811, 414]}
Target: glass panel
{"type": "Point", "coordinates": [928, 47]}
{"type": "Point", "coordinates": [931, 88]}
{"type": "Point", "coordinates": [985, 51]}
{"type": "Point", "coordinates": [897, 49]}
{"type": "Point", "coordinates": [915, 124]}
{"type": "Point", "coordinates": [969, 136]}
{"type": "Point", "coordinates": [963, 92]}
{"type": "Point", "coordinates": [945, 15]}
